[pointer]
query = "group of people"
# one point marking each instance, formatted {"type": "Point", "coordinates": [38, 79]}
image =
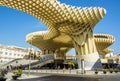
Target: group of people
{"type": "Point", "coordinates": [11, 68]}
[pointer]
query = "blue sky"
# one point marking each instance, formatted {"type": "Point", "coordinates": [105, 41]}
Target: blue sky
{"type": "Point", "coordinates": [15, 25]}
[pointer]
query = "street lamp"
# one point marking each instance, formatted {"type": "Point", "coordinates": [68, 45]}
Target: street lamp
{"type": "Point", "coordinates": [30, 52]}
{"type": "Point", "coordinates": [82, 66]}
{"type": "Point", "coordinates": [29, 60]}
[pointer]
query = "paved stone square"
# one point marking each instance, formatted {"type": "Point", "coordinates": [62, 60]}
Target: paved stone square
{"type": "Point", "coordinates": [65, 77]}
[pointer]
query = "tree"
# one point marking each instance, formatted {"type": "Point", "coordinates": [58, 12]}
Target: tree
{"type": "Point", "coordinates": [70, 63]}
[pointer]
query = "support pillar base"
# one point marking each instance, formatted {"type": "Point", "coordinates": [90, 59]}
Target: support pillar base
{"type": "Point", "coordinates": [91, 61]}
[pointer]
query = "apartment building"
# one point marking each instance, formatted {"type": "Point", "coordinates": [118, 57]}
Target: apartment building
{"type": "Point", "coordinates": [8, 53]}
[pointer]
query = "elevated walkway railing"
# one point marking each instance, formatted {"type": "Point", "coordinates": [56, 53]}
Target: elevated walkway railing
{"type": "Point", "coordinates": [45, 60]}
{"type": "Point", "coordinates": [33, 63]}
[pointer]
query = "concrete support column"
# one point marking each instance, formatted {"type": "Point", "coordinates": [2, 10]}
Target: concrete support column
{"type": "Point", "coordinates": [84, 44]}
{"type": "Point", "coordinates": [86, 49]}
{"type": "Point", "coordinates": [91, 61]}
{"type": "Point", "coordinates": [61, 53]}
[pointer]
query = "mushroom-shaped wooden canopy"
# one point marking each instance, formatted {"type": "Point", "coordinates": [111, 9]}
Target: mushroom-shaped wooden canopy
{"type": "Point", "coordinates": [64, 20]}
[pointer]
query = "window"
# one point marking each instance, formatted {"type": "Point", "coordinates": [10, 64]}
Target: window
{"type": "Point", "coordinates": [1, 61]}
{"type": "Point", "coordinates": [10, 54]}
{"type": "Point", "coordinates": [1, 52]}
{"type": "Point", "coordinates": [6, 53]}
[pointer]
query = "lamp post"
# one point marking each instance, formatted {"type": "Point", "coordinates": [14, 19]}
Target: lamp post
{"type": "Point", "coordinates": [30, 51]}
{"type": "Point", "coordinates": [82, 66]}
{"type": "Point", "coordinates": [29, 61]}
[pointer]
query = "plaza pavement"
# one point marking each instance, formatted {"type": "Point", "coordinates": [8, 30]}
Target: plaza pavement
{"type": "Point", "coordinates": [89, 76]}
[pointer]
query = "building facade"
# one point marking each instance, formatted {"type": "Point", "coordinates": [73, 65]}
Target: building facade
{"type": "Point", "coordinates": [9, 53]}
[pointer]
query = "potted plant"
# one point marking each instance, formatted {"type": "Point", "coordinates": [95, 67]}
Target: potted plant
{"type": "Point", "coordinates": [96, 70]}
{"type": "Point", "coordinates": [3, 72]}
{"type": "Point", "coordinates": [104, 71]}
{"type": "Point", "coordinates": [115, 70]}
{"type": "Point", "coordinates": [17, 73]}
{"type": "Point", "coordinates": [111, 70]}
